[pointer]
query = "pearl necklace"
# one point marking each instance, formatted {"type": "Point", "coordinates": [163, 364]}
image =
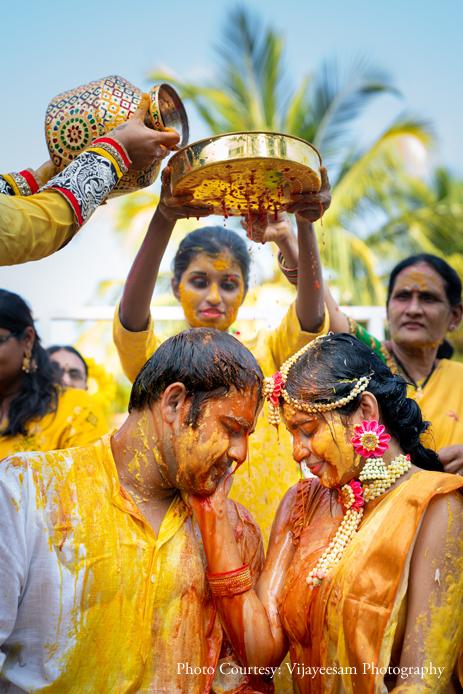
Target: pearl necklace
{"type": "Point", "coordinates": [353, 496]}
{"type": "Point", "coordinates": [396, 469]}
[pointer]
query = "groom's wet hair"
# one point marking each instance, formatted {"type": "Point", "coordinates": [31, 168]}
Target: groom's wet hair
{"type": "Point", "coordinates": [207, 361]}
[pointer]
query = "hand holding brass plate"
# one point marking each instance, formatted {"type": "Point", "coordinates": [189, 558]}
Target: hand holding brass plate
{"type": "Point", "coordinates": [246, 172]}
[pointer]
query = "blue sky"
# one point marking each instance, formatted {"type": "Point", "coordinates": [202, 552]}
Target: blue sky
{"type": "Point", "coordinates": [49, 47]}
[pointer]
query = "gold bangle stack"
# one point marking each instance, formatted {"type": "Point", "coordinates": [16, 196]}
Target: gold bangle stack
{"type": "Point", "coordinates": [231, 583]}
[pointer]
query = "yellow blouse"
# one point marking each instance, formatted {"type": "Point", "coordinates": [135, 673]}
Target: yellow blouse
{"type": "Point", "coordinates": [77, 421]}
{"type": "Point", "coordinates": [34, 227]}
{"type": "Point", "coordinates": [441, 403]}
{"type": "Point", "coordinates": [92, 600]}
{"type": "Point", "coordinates": [261, 483]}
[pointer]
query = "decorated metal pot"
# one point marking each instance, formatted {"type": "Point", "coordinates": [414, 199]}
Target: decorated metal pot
{"type": "Point", "coordinates": [76, 118]}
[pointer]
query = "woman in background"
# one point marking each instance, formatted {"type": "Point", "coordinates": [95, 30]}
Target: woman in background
{"type": "Point", "coordinates": [36, 412]}
{"type": "Point", "coordinates": [74, 370]}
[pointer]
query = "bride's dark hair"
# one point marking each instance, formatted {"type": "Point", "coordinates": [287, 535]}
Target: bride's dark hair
{"type": "Point", "coordinates": [329, 370]}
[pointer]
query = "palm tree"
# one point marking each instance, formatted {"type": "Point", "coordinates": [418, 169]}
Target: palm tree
{"type": "Point", "coordinates": [251, 92]}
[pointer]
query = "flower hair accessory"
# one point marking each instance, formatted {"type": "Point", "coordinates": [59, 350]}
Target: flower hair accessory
{"type": "Point", "coordinates": [370, 439]}
{"type": "Point", "coordinates": [274, 389]}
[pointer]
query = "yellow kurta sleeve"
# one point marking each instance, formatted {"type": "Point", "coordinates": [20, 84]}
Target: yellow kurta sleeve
{"type": "Point", "coordinates": [34, 227]}
{"type": "Point", "coordinates": [134, 349]}
{"type": "Point", "coordinates": [272, 348]}
{"type": "Point", "coordinates": [78, 421]}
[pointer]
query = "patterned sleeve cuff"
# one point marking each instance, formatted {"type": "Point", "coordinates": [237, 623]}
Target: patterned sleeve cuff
{"type": "Point", "coordinates": [88, 180]}
{"type": "Point", "coordinates": [291, 275]}
{"type": "Point", "coordinates": [5, 187]}
{"type": "Point", "coordinates": [22, 183]}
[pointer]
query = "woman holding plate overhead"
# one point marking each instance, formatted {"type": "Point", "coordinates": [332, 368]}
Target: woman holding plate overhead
{"type": "Point", "coordinates": [211, 273]}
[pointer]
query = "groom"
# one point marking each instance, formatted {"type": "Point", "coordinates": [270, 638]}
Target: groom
{"type": "Point", "coordinates": [103, 582]}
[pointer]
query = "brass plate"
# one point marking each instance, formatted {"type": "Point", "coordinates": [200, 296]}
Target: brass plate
{"type": "Point", "coordinates": [246, 172]}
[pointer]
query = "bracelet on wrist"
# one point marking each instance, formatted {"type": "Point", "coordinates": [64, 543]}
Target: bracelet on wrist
{"type": "Point", "coordinates": [230, 583]}
{"type": "Point", "coordinates": [290, 274]}
{"type": "Point", "coordinates": [23, 183]}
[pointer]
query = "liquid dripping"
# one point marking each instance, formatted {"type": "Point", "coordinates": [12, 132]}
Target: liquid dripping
{"type": "Point", "coordinates": [321, 218]}
{"type": "Point", "coordinates": [304, 501]}
{"type": "Point", "coordinates": [248, 456]}
{"type": "Point", "coordinates": [238, 465]}
{"type": "Point", "coordinates": [246, 195]}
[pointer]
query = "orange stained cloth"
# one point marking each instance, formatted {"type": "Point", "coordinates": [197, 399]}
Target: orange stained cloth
{"type": "Point", "coordinates": [34, 227]}
{"type": "Point", "coordinates": [351, 619]}
{"type": "Point", "coordinates": [78, 420]}
{"type": "Point", "coordinates": [261, 485]}
{"type": "Point", "coordinates": [92, 600]}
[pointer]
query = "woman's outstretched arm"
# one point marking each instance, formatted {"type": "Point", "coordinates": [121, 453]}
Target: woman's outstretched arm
{"type": "Point", "coordinates": [301, 252]}
{"type": "Point", "coordinates": [141, 280]}
{"type": "Point", "coordinates": [250, 619]}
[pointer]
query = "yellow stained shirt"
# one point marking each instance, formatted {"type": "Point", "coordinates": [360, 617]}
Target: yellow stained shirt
{"type": "Point", "coordinates": [92, 601]}
{"type": "Point", "coordinates": [34, 227]}
{"type": "Point", "coordinates": [78, 420]}
{"type": "Point", "coordinates": [261, 484]}
{"type": "Point", "coordinates": [441, 403]}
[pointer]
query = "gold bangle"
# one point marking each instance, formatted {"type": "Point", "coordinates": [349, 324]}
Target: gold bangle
{"type": "Point", "coordinates": [230, 583]}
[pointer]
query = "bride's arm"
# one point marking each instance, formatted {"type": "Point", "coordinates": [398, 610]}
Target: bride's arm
{"type": "Point", "coordinates": [434, 628]}
{"type": "Point", "coordinates": [251, 618]}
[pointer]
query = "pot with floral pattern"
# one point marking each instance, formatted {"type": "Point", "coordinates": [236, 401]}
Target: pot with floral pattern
{"type": "Point", "coordinates": [77, 117]}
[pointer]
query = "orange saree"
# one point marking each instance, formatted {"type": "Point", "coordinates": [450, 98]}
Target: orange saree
{"type": "Point", "coordinates": [341, 634]}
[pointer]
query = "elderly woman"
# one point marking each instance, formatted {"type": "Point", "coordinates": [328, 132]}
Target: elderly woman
{"type": "Point", "coordinates": [363, 579]}
{"type": "Point", "coordinates": [74, 369]}
{"type": "Point", "coordinates": [36, 412]}
{"type": "Point", "coordinates": [424, 302]}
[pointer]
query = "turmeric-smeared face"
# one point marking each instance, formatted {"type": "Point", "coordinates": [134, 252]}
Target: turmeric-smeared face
{"type": "Point", "coordinates": [419, 312]}
{"type": "Point", "coordinates": [211, 291]}
{"type": "Point", "coordinates": [324, 446]}
{"type": "Point", "coordinates": [197, 457]}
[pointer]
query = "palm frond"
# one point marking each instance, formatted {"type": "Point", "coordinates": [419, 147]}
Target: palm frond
{"type": "Point", "coordinates": [339, 95]}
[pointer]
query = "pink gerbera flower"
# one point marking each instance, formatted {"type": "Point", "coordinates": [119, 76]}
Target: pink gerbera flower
{"type": "Point", "coordinates": [278, 384]}
{"type": "Point", "coordinates": [358, 494]}
{"type": "Point", "coordinates": [370, 439]}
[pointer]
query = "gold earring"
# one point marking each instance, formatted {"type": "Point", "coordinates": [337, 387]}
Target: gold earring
{"type": "Point", "coordinates": [27, 361]}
